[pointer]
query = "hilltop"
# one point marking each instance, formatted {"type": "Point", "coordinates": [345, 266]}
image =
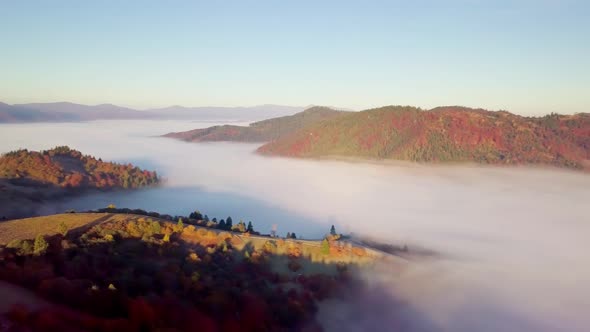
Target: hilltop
{"type": "Point", "coordinates": [443, 134]}
{"type": "Point", "coordinates": [27, 178]}
{"type": "Point", "coordinates": [262, 131]}
{"type": "Point", "coordinates": [122, 272]}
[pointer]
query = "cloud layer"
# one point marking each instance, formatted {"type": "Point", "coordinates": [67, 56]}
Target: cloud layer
{"type": "Point", "coordinates": [514, 239]}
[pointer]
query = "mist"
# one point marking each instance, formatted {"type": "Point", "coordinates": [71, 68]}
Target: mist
{"type": "Point", "coordinates": [512, 241]}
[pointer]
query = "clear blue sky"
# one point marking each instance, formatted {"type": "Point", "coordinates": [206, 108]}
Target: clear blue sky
{"type": "Point", "coordinates": [530, 57]}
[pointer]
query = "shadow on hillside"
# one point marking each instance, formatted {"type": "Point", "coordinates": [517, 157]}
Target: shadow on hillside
{"type": "Point", "coordinates": [116, 282]}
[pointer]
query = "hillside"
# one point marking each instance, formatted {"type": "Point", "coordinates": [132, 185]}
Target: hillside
{"type": "Point", "coordinates": [28, 178]}
{"type": "Point", "coordinates": [118, 272]}
{"type": "Point", "coordinates": [444, 134]}
{"type": "Point", "coordinates": [262, 131]}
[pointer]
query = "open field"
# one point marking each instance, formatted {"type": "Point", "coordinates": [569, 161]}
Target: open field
{"type": "Point", "coordinates": [29, 228]}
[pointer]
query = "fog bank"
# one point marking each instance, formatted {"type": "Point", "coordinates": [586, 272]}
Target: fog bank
{"type": "Point", "coordinates": [514, 239]}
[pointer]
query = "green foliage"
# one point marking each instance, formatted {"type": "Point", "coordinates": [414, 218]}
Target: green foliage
{"type": "Point", "coordinates": [40, 245]}
{"type": "Point", "coordinates": [239, 227]}
{"type": "Point", "coordinates": [196, 215]}
{"type": "Point", "coordinates": [23, 247]}
{"type": "Point", "coordinates": [63, 228]}
{"type": "Point", "coordinates": [325, 248]}
{"type": "Point", "coordinates": [262, 131]}
{"type": "Point", "coordinates": [179, 226]}
{"type": "Point", "coordinates": [156, 228]}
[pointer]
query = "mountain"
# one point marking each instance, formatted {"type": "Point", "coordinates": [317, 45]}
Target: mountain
{"type": "Point", "coordinates": [234, 114]}
{"type": "Point", "coordinates": [28, 178]}
{"type": "Point", "coordinates": [18, 114]}
{"type": "Point", "coordinates": [443, 134]}
{"type": "Point", "coordinates": [79, 112]}
{"type": "Point", "coordinates": [71, 112]}
{"type": "Point", "coordinates": [262, 131]}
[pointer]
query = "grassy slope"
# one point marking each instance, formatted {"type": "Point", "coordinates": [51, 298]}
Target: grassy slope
{"type": "Point", "coordinates": [262, 131]}
{"type": "Point", "coordinates": [29, 228]}
{"type": "Point", "coordinates": [443, 134]}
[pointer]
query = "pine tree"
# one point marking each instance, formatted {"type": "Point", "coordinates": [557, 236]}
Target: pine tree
{"type": "Point", "coordinates": [228, 223]}
{"type": "Point", "coordinates": [63, 228]}
{"type": "Point", "coordinates": [40, 245]}
{"type": "Point", "coordinates": [179, 225]}
{"type": "Point", "coordinates": [333, 230]}
{"type": "Point", "coordinates": [293, 236]}
{"type": "Point", "coordinates": [288, 235]}
{"type": "Point", "coordinates": [222, 224]}
{"type": "Point", "coordinates": [250, 228]}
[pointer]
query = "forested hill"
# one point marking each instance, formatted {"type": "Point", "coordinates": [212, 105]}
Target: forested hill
{"type": "Point", "coordinates": [262, 131]}
{"type": "Point", "coordinates": [444, 134]}
{"type": "Point", "coordinates": [68, 168]}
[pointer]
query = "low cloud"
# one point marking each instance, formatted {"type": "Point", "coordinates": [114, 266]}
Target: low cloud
{"type": "Point", "coordinates": [513, 240]}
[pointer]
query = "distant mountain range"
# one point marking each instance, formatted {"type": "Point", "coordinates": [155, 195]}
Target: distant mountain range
{"type": "Point", "coordinates": [70, 112]}
{"type": "Point", "coordinates": [262, 131]}
{"type": "Point", "coordinates": [442, 134]}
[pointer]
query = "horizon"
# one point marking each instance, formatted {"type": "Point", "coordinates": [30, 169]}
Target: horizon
{"type": "Point", "coordinates": [525, 57]}
{"type": "Point", "coordinates": [340, 108]}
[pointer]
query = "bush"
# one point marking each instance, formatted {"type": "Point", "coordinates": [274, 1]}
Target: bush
{"type": "Point", "coordinates": [62, 228]}
{"type": "Point", "coordinates": [23, 247]}
{"type": "Point", "coordinates": [40, 245]}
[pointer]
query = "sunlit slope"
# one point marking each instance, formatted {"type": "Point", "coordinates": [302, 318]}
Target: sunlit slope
{"type": "Point", "coordinates": [262, 131]}
{"type": "Point", "coordinates": [29, 228]}
{"type": "Point", "coordinates": [444, 134]}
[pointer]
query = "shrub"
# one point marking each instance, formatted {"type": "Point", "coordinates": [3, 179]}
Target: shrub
{"type": "Point", "coordinates": [62, 228]}
{"type": "Point", "coordinates": [23, 247]}
{"type": "Point", "coordinates": [179, 226]}
{"type": "Point", "coordinates": [40, 245]}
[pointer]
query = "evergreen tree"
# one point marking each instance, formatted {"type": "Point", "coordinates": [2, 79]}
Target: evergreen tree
{"type": "Point", "coordinates": [293, 236]}
{"type": "Point", "coordinates": [228, 223]}
{"type": "Point", "coordinates": [250, 228]}
{"type": "Point", "coordinates": [179, 225]}
{"type": "Point", "coordinates": [333, 230]}
{"type": "Point", "coordinates": [40, 245]}
{"type": "Point", "coordinates": [206, 218]}
{"type": "Point", "coordinates": [288, 235]}
{"type": "Point", "coordinates": [63, 228]}
{"type": "Point", "coordinates": [196, 215]}
{"type": "Point", "coordinates": [222, 224]}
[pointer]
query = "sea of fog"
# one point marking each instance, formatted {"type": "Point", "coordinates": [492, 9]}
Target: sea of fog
{"type": "Point", "coordinates": [514, 241]}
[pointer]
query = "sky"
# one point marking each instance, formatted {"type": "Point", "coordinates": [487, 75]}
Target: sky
{"type": "Point", "coordinates": [528, 57]}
